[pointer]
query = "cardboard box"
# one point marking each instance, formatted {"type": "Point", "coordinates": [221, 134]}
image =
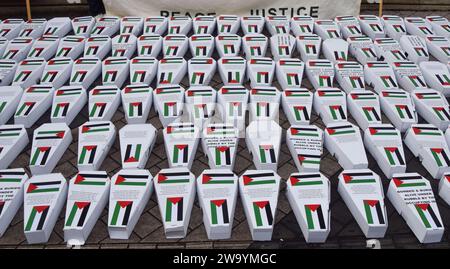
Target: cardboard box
{"type": "Point", "coordinates": [11, 195]}
{"type": "Point", "coordinates": [264, 103]}
{"type": "Point", "coordinates": [155, 25]}
{"type": "Point", "coordinates": [362, 48]}
{"type": "Point", "coordinates": [168, 102]}
{"type": "Point", "coordinates": [350, 76]}
{"type": "Point", "coordinates": [7, 71]}
{"type": "Point", "coordinates": [201, 45]}
{"type": "Point", "coordinates": [362, 192]}
{"type": "Point", "coordinates": [371, 26]}
{"type": "Point", "coordinates": [439, 24]}
{"type": "Point", "coordinates": [149, 45]}
{"type": "Point", "coordinates": [44, 197]}
{"type": "Point", "coordinates": [204, 24]}
{"type": "Point", "coordinates": [301, 25]}
{"type": "Point", "coordinates": [394, 26]}
{"type": "Point", "coordinates": [289, 73]}
{"type": "Point", "coordinates": [444, 188]}
{"type": "Point", "coordinates": [87, 197]}
{"type": "Point", "coordinates": [228, 45]}
{"type": "Point", "coordinates": [418, 26]}
{"type": "Point", "coordinates": [28, 72]}
{"type": "Point", "coordinates": [349, 26]}
{"type": "Point", "coordinates": [44, 47]}
{"type": "Point", "coordinates": [131, 25]}
{"type": "Point", "coordinates": [217, 191]}
{"type": "Point", "coordinates": [438, 47]}
{"type": "Point", "coordinates": [232, 104]}
{"type": "Point", "coordinates": [389, 50]}
{"type": "Point", "coordinates": [136, 144]}
{"type": "Point", "coordinates": [136, 102]}
{"type": "Point", "coordinates": [259, 193]}
{"type": "Point", "coordinates": [254, 45]}
{"type": "Point", "coordinates": [437, 76]}
{"type": "Point", "coordinates": [232, 70]}
{"type": "Point", "coordinates": [342, 138]}
{"type": "Point", "coordinates": [143, 70]}
{"type": "Point", "coordinates": [384, 143]}
{"type": "Point", "coordinates": [364, 106]}
{"type": "Point", "coordinates": [85, 71]}
{"type": "Point", "coordinates": [82, 26]}
{"type": "Point", "coordinates": [181, 141]}
{"type": "Point", "coordinates": [260, 71]}
{"type": "Point", "coordinates": [18, 48]}
{"type": "Point", "coordinates": [326, 29]}
{"type": "Point", "coordinates": [309, 197]}
{"type": "Point", "coordinates": [106, 26]}
{"type": "Point", "coordinates": [380, 76]}
{"type": "Point", "coordinates": [171, 70]}
{"type": "Point", "coordinates": [305, 143]}
{"type": "Point", "coordinates": [123, 45]}
{"type": "Point", "coordinates": [331, 105]}
{"type": "Point", "coordinates": [57, 72]}
{"type": "Point", "coordinates": [181, 25]}
{"type": "Point", "coordinates": [10, 97]}
{"type": "Point", "coordinates": [13, 140]}
{"type": "Point", "coordinates": [428, 143]}
{"type": "Point", "coordinates": [129, 194]}
{"type": "Point", "coordinates": [58, 26]}
{"type": "Point", "coordinates": [409, 76]}
{"type": "Point", "coordinates": [433, 107]}
{"type": "Point", "coordinates": [308, 45]}
{"type": "Point", "coordinates": [415, 48]}
{"type": "Point", "coordinates": [10, 28]}
{"type": "Point", "coordinates": [200, 104]}
{"type": "Point", "coordinates": [175, 190]}
{"type": "Point", "coordinates": [103, 102]}
{"type": "Point", "coordinates": [277, 25]}
{"type": "Point", "coordinates": [67, 103]}
{"type": "Point", "coordinates": [399, 108]}
{"type": "Point", "coordinates": [320, 73]}
{"type": "Point", "coordinates": [71, 46]}
{"type": "Point", "coordinates": [94, 142]}
{"type": "Point", "coordinates": [33, 28]}
{"type": "Point", "coordinates": [97, 47]}
{"type": "Point", "coordinates": [413, 198]}
{"type": "Point", "coordinates": [35, 101]}
{"type": "Point", "coordinates": [252, 24]}
{"type": "Point", "coordinates": [201, 70]}
{"type": "Point", "coordinates": [175, 45]}
{"type": "Point", "coordinates": [282, 46]}
{"type": "Point", "coordinates": [115, 71]}
{"type": "Point", "coordinates": [228, 24]}
{"type": "Point", "coordinates": [297, 105]}
{"type": "Point", "coordinates": [263, 139]}
{"type": "Point", "coordinates": [220, 143]}
{"type": "Point", "coordinates": [335, 50]}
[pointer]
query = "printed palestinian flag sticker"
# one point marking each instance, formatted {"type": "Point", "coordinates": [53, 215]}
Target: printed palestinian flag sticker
{"type": "Point", "coordinates": [181, 141]}
{"type": "Point", "coordinates": [289, 73]}
{"type": "Point", "coordinates": [136, 144]}
{"type": "Point", "coordinates": [168, 102]}
{"type": "Point", "coordinates": [219, 142]}
{"type": "Point", "coordinates": [364, 106]}
{"type": "Point", "coordinates": [85, 71]}
{"type": "Point", "coordinates": [82, 26]}
{"type": "Point", "coordinates": [97, 47]}
{"type": "Point", "coordinates": [67, 103]}
{"type": "Point", "coordinates": [155, 25]}
{"type": "Point", "coordinates": [263, 139]}
{"type": "Point", "coordinates": [137, 101]}
{"type": "Point", "coordinates": [103, 102]}
{"type": "Point", "coordinates": [232, 70]}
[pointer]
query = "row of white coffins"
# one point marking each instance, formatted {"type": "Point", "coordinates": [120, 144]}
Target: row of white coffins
{"type": "Point", "coordinates": [128, 192]}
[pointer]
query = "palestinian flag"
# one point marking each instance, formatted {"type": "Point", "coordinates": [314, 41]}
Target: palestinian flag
{"type": "Point", "coordinates": [409, 181]}
{"type": "Point", "coordinates": [339, 55]}
{"type": "Point", "coordinates": [428, 95]}
{"type": "Point", "coordinates": [374, 212]}
{"type": "Point", "coordinates": [168, 90]}
{"type": "Point", "coordinates": [87, 155]}
{"type": "Point", "coordinates": [333, 33]}
{"type": "Point", "coordinates": [173, 178]}
{"type": "Point", "coordinates": [60, 110]}
{"type": "Point", "coordinates": [198, 78]}
{"type": "Point", "coordinates": [37, 218]}
{"type": "Point", "coordinates": [6, 132]}
{"type": "Point", "coordinates": [233, 61]}
{"type": "Point", "coordinates": [293, 79]}
{"type": "Point", "coordinates": [10, 54]}
{"type": "Point", "coordinates": [341, 130]}
{"type": "Point", "coordinates": [235, 90]}
{"type": "Point", "coordinates": [35, 52]}
{"type": "Point", "coordinates": [426, 131]}
{"type": "Point", "coordinates": [121, 213]}
{"type": "Point", "coordinates": [110, 76]}
{"type": "Point", "coordinates": [378, 65]}
{"type": "Point", "coordinates": [425, 30]}
{"type": "Point", "coordinates": [325, 81]}
{"type": "Point", "coordinates": [443, 79]}
{"type": "Point", "coordinates": [399, 28]}
{"type": "Point", "coordinates": [174, 209]}
{"type": "Point", "coordinates": [222, 155]}
{"type": "Point", "coordinates": [305, 180]}
{"type": "Point", "coordinates": [395, 94]}
{"type": "Point", "coordinates": [146, 50]}
{"type": "Point", "coordinates": [258, 179]}
{"type": "Point", "coordinates": [78, 213]}
{"type": "Point", "coordinates": [165, 77]}
{"type": "Point", "coordinates": [356, 82]}
{"type": "Point", "coordinates": [180, 129]}
{"type": "Point", "coordinates": [78, 76]}
{"type": "Point", "coordinates": [404, 112]}
{"type": "Point", "coordinates": [264, 91]}
{"type": "Point", "coordinates": [88, 128]}
{"type": "Point", "coordinates": [420, 51]}
{"type": "Point", "coordinates": [200, 51]}
{"type": "Point", "coordinates": [172, 50]}
{"type": "Point", "coordinates": [170, 109]}
{"type": "Point", "coordinates": [267, 154]}
{"type": "Point", "coordinates": [220, 130]}
{"type": "Point", "coordinates": [358, 178]}
{"type": "Point", "coordinates": [235, 109]}
{"type": "Point", "coordinates": [394, 156]}
{"type": "Point", "coordinates": [22, 76]}
{"type": "Point", "coordinates": [429, 218]}
{"type": "Point", "coordinates": [261, 61]}
{"type": "Point", "coordinates": [304, 28]}
{"type": "Point", "coordinates": [399, 55]}
{"type": "Point", "coordinates": [304, 131]}
{"type": "Point", "coordinates": [337, 112]}
{"type": "Point", "coordinates": [91, 50]}
{"type": "Point", "coordinates": [312, 159]}
{"type": "Point", "coordinates": [63, 52]}
{"type": "Point", "coordinates": [440, 156]}
{"type": "Point", "coordinates": [40, 156]}
{"type": "Point", "coordinates": [300, 113]}
{"type": "Point", "coordinates": [388, 81]}
{"type": "Point", "coordinates": [310, 49]}
{"type": "Point", "coordinates": [297, 93]}
{"type": "Point", "coordinates": [363, 96]}
{"type": "Point", "coordinates": [200, 111]}
{"type": "Point", "coordinates": [442, 113]}
{"type": "Point", "coordinates": [375, 27]}
{"type": "Point", "coordinates": [132, 153]}
{"type": "Point", "coordinates": [371, 113]}
{"type": "Point", "coordinates": [229, 48]}
{"type": "Point", "coordinates": [138, 76]}
{"type": "Point", "coordinates": [44, 135]}
{"type": "Point", "coordinates": [219, 211]}
{"type": "Point", "coordinates": [135, 109]}
{"type": "Point", "coordinates": [368, 52]}
{"type": "Point", "coordinates": [283, 49]}
{"type": "Point", "coordinates": [315, 217]}
{"type": "Point", "coordinates": [97, 110]}
{"type": "Point", "coordinates": [43, 187]}
{"type": "Point", "coordinates": [118, 52]}
{"type": "Point", "coordinates": [51, 30]}
{"type": "Point", "coordinates": [291, 62]}
{"type": "Point", "coordinates": [98, 30]}
{"type": "Point", "coordinates": [180, 153]}
{"type": "Point", "coordinates": [10, 176]}
{"type": "Point", "coordinates": [91, 179]}
{"type": "Point", "coordinates": [218, 178]}
{"type": "Point", "coordinates": [255, 50]}
{"type": "Point", "coordinates": [263, 109]}
{"type": "Point", "coordinates": [132, 180]}
{"type": "Point", "coordinates": [225, 28]}
{"type": "Point", "coordinates": [263, 213]}
{"type": "Point", "coordinates": [38, 89]}
{"type": "Point", "coordinates": [354, 30]}
{"type": "Point", "coordinates": [252, 28]}
{"type": "Point", "coordinates": [127, 29]}
{"type": "Point", "coordinates": [49, 76]}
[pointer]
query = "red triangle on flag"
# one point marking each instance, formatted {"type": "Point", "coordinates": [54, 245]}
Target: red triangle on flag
{"type": "Point", "coordinates": [218, 202]}
{"type": "Point", "coordinates": [288, 93]}
{"type": "Point", "coordinates": [181, 147]}
{"type": "Point", "coordinates": [397, 182]}
{"type": "Point", "coordinates": [41, 208]}
{"type": "Point", "coordinates": [423, 206]}
{"type": "Point", "coordinates": [294, 131]}
{"type": "Point", "coordinates": [123, 204]}
{"type": "Point", "coordinates": [301, 158]}
{"type": "Point", "coordinates": [42, 149]}
{"type": "Point", "coordinates": [90, 147]}
{"type": "Point", "coordinates": [391, 149]}
{"type": "Point", "coordinates": [128, 90]}
{"type": "Point", "coordinates": [261, 204]}
{"type": "Point", "coordinates": [266, 147]}
{"type": "Point", "coordinates": [419, 95]}
{"type": "Point", "coordinates": [331, 131]}
{"type": "Point", "coordinates": [437, 150]}
{"type": "Point", "coordinates": [81, 205]}
{"type": "Point", "coordinates": [294, 180]}
{"type": "Point", "coordinates": [135, 103]}
{"type": "Point", "coordinates": [28, 103]}
{"type": "Point", "coordinates": [224, 90]}
{"type": "Point", "coordinates": [161, 177]}
{"type": "Point", "coordinates": [206, 179]}
{"type": "Point", "coordinates": [448, 178]}
{"type": "Point", "coordinates": [222, 148]}
{"type": "Point", "coordinates": [416, 130]}
{"type": "Point", "coordinates": [299, 107]}
{"type": "Point", "coordinates": [120, 179]}
{"type": "Point", "coordinates": [347, 178]}
{"type": "Point", "coordinates": [78, 179]}
{"type": "Point", "coordinates": [372, 131]}
{"type": "Point", "coordinates": [209, 130]}
{"type": "Point", "coordinates": [371, 203]}
{"type": "Point", "coordinates": [85, 129]}
{"type": "Point", "coordinates": [321, 93]}
{"type": "Point", "coordinates": [236, 103]}
{"type": "Point", "coordinates": [169, 129]}
{"type": "Point", "coordinates": [60, 134]}
{"type": "Point", "coordinates": [369, 108]}
{"type": "Point", "coordinates": [247, 180]}
{"type": "Point", "coordinates": [131, 160]}
{"type": "Point", "coordinates": [190, 93]}
{"type": "Point", "coordinates": [31, 187]}
{"type": "Point", "coordinates": [313, 207]}
{"type": "Point", "coordinates": [59, 92]}
{"type": "Point", "coordinates": [175, 200]}
{"type": "Point", "coordinates": [335, 107]}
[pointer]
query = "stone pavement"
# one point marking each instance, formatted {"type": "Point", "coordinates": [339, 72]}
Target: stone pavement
{"type": "Point", "coordinates": [149, 232]}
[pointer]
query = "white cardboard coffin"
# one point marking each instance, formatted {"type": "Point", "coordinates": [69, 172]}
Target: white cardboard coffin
{"type": "Point", "coordinates": [308, 45]}
{"type": "Point", "coordinates": [418, 26]}
{"type": "Point", "coordinates": [82, 26]}
{"type": "Point", "coordinates": [129, 193]}
{"type": "Point", "coordinates": [384, 143]}
{"type": "Point", "coordinates": [85, 71]}
{"type": "Point", "coordinates": [44, 47]}
{"type": "Point", "coordinates": [362, 48]}
{"type": "Point", "coordinates": [282, 46]}
{"type": "Point", "coordinates": [200, 104]}
{"type": "Point", "coordinates": [252, 24]}
{"type": "Point", "coordinates": [143, 70]}
{"type": "Point", "coordinates": [57, 72]}
{"type": "Point", "coordinates": [11, 195]}
{"type": "Point", "coordinates": [437, 76]}
{"type": "Point", "coordinates": [228, 45]}
{"type": "Point", "coordinates": [136, 144]}
{"type": "Point", "coordinates": [278, 25]}
{"type": "Point", "coordinates": [371, 26]}
{"type": "Point", "coordinates": [232, 103]}
{"type": "Point", "coordinates": [232, 70]}
{"type": "Point", "coordinates": [327, 29]}
{"type": "Point", "coordinates": [35, 101]}
{"type": "Point", "coordinates": [264, 103]}
{"type": "Point", "coordinates": [123, 45]}
{"type": "Point", "coordinates": [7, 71]}
{"type": "Point", "coordinates": [309, 197]}
{"type": "Point", "coordinates": [394, 26]}
{"type": "Point", "coordinates": [297, 103]}
{"type": "Point", "coordinates": [362, 192]}
{"type": "Point", "coordinates": [106, 26]}
{"type": "Point", "coordinates": [149, 45]}
{"type": "Point", "coordinates": [201, 70]}
{"type": "Point", "coordinates": [103, 102]}
{"type": "Point", "coordinates": [220, 144]}
{"type": "Point", "coordinates": [13, 140]}
{"type": "Point", "coordinates": [131, 25]}
{"type": "Point", "coordinates": [415, 48]}
{"type": "Point", "coordinates": [301, 25]}
{"type": "Point", "coordinates": [331, 105]}
{"type": "Point", "coordinates": [181, 141]}
{"type": "Point", "coordinates": [168, 102]}
{"type": "Point", "coordinates": [380, 76]}
{"type": "Point", "coordinates": [181, 25]}
{"type": "Point", "coordinates": [320, 73]}
{"type": "Point", "coordinates": [50, 141]}
{"type": "Point", "coordinates": [428, 143]}
{"type": "Point", "coordinates": [18, 48]}
{"type": "Point", "coordinates": [155, 25]}
{"type": "Point", "coordinates": [228, 24]}
{"type": "Point", "coordinates": [204, 24]}
{"type": "Point", "coordinates": [9, 100]}
{"type": "Point", "coordinates": [413, 198]}
{"type": "Point", "coordinates": [389, 50]}
{"type": "Point", "coordinates": [94, 142]}
{"type": "Point", "coordinates": [254, 45]}
{"type": "Point", "coordinates": [364, 106]}
{"type": "Point", "coordinates": [175, 190]}
{"type": "Point", "coordinates": [137, 100]}
{"type": "Point", "coordinates": [260, 71]}
{"type": "Point", "coordinates": [10, 28]}
{"type": "Point", "coordinates": [33, 28]}
{"type": "Point", "coordinates": [44, 197]}
{"type": "Point", "coordinates": [28, 72]}
{"type": "Point", "coordinates": [67, 103]}
{"type": "Point", "coordinates": [335, 50]}
{"type": "Point", "coordinates": [58, 26]}
{"type": "Point", "coordinates": [439, 47]}
{"type": "Point", "coordinates": [171, 70]}
{"type": "Point", "coordinates": [71, 46]}
{"type": "Point", "coordinates": [433, 107]}
{"type": "Point", "coordinates": [263, 139]}
{"type": "Point", "coordinates": [444, 188]}
{"type": "Point", "coordinates": [289, 73]}
{"type": "Point", "coordinates": [349, 26]}
{"type": "Point", "coordinates": [399, 108]}
{"type": "Point", "coordinates": [350, 76]}
{"type": "Point", "coordinates": [97, 47]}
{"type": "Point", "coordinates": [217, 191]}
{"type": "Point", "coordinates": [115, 71]}
{"type": "Point", "coordinates": [305, 145]}
{"type": "Point", "coordinates": [343, 141]}
{"type": "Point", "coordinates": [201, 45]}
{"type": "Point", "coordinates": [87, 197]}
{"type": "Point", "coordinates": [409, 76]}
{"type": "Point", "coordinates": [439, 24]}
{"type": "Point", "coordinates": [259, 193]}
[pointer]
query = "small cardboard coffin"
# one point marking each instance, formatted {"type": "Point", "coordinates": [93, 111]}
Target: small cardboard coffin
{"type": "Point", "coordinates": [115, 71]}
{"type": "Point", "coordinates": [439, 47]}
{"type": "Point", "coordinates": [149, 45]}
{"type": "Point", "coordinates": [13, 140]}
{"type": "Point", "coordinates": [335, 50]}
{"type": "Point", "coordinates": [440, 25]}
{"type": "Point", "coordinates": [131, 25]}
{"type": "Point", "coordinates": [389, 50]}
{"type": "Point", "coordinates": [415, 48]}
{"type": "Point", "coordinates": [58, 26]}
{"type": "Point", "coordinates": [171, 70]}
{"type": "Point", "coordinates": [228, 24]}
{"type": "Point", "coordinates": [143, 70]}
{"type": "Point", "coordinates": [228, 45]}
{"type": "Point", "coordinates": [327, 29]}
{"type": "Point", "coordinates": [305, 144]}
{"type": "Point", "coordinates": [264, 103]}
{"type": "Point", "coordinates": [437, 76]}
{"type": "Point", "coordinates": [71, 46]}
{"type": "Point", "coordinates": [371, 26]}
{"type": "Point", "coordinates": [232, 102]}
{"type": "Point", "coordinates": [362, 48]}
{"type": "Point", "coordinates": [85, 71]}
{"type": "Point", "coordinates": [282, 46]}
{"type": "Point", "coordinates": [67, 103]}
{"type": "Point", "coordinates": [252, 24]}
{"type": "Point", "coordinates": [433, 107]}
{"type": "Point", "coordinates": [278, 25]}
{"type": "Point", "coordinates": [57, 72]}
{"type": "Point", "coordinates": [232, 70]}
{"type": "Point", "coordinates": [179, 25]}
{"type": "Point", "coordinates": [201, 70]}
{"type": "Point", "coordinates": [349, 26]}
{"type": "Point", "coordinates": [201, 45]}
{"type": "Point", "coordinates": [254, 45]}
{"type": "Point", "coordinates": [18, 48]}
{"type": "Point", "coordinates": [181, 141]}
{"type": "Point", "coordinates": [380, 76]}
{"type": "Point", "coordinates": [44, 47]}
{"type": "Point", "coordinates": [399, 108]}
{"type": "Point", "coordinates": [155, 25]}
{"type": "Point", "coordinates": [35, 101]}
{"type": "Point", "coordinates": [409, 76]}
{"type": "Point", "coordinates": [220, 144]}
{"type": "Point", "coordinates": [9, 100]}
{"type": "Point", "coordinates": [7, 71]}
{"type": "Point", "coordinates": [297, 105]}
{"type": "Point", "coordinates": [289, 73]}
{"type": "Point", "coordinates": [308, 45]}
{"type": "Point", "coordinates": [320, 73]}
{"type": "Point", "coordinates": [136, 144]}
{"type": "Point", "coordinates": [28, 72]}
{"type": "Point", "coordinates": [175, 45]}
{"type": "Point", "coordinates": [418, 26]}
{"type": "Point", "coordinates": [200, 104]}
{"type": "Point", "coordinates": [350, 76]}
{"type": "Point", "coordinates": [103, 102]}
{"type": "Point", "coordinates": [10, 28]}
{"type": "Point", "coordinates": [123, 45]}
{"type": "Point", "coordinates": [394, 26]}
{"type": "Point", "coordinates": [301, 25]}
{"type": "Point", "coordinates": [106, 26]}
{"type": "Point", "coordinates": [331, 105]}
{"type": "Point", "coordinates": [364, 106]}
{"type": "Point", "coordinates": [136, 102]}
{"type": "Point", "coordinates": [204, 24]}
{"type": "Point", "coordinates": [444, 188]}
{"type": "Point", "coordinates": [82, 26]}
{"type": "Point", "coordinates": [97, 47]}
{"type": "Point", "coordinates": [168, 102]}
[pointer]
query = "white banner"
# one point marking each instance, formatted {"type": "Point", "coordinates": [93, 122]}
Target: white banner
{"type": "Point", "coordinates": [323, 9]}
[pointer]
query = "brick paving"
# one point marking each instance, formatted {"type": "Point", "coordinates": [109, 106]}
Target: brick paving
{"type": "Point", "coordinates": [149, 232]}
